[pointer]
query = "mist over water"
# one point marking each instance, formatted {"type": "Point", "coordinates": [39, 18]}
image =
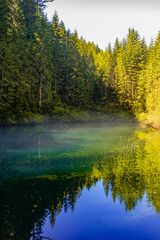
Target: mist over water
{"type": "Point", "coordinates": [24, 147]}
{"type": "Point", "coordinates": [79, 181]}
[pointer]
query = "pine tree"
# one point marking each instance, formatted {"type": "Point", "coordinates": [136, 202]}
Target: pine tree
{"type": "Point", "coordinates": [12, 84]}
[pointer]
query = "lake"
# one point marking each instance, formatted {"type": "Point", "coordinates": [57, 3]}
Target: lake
{"type": "Point", "coordinates": [80, 181]}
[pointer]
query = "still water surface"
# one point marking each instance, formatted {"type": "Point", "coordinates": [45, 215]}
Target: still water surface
{"type": "Point", "coordinates": [80, 181]}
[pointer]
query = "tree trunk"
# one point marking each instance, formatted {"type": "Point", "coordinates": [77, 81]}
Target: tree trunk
{"type": "Point", "coordinates": [67, 80]}
{"type": "Point", "coordinates": [2, 79]}
{"type": "Point", "coordinates": [41, 78]}
{"type": "Point", "coordinates": [40, 90]}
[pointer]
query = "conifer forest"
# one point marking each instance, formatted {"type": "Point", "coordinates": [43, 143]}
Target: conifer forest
{"type": "Point", "coordinates": [46, 69]}
{"type": "Point", "coordinates": [79, 125]}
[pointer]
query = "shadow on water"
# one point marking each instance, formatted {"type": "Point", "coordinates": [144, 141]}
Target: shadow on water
{"type": "Point", "coordinates": [44, 170]}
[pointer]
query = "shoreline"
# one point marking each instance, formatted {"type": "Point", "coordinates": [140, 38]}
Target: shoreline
{"type": "Point", "coordinates": [72, 117]}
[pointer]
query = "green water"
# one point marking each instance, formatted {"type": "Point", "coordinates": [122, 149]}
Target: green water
{"type": "Point", "coordinates": [52, 176]}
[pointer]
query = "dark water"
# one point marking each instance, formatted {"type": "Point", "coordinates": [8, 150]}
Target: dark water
{"type": "Point", "coordinates": [86, 181]}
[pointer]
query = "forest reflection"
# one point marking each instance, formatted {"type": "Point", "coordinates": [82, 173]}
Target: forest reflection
{"type": "Point", "coordinates": [128, 173]}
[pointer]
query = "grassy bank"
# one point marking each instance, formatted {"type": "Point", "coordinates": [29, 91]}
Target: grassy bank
{"type": "Point", "coordinates": [69, 115]}
{"type": "Point", "coordinates": [151, 118]}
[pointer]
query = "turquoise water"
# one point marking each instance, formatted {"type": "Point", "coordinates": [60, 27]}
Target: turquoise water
{"type": "Point", "coordinates": [79, 181]}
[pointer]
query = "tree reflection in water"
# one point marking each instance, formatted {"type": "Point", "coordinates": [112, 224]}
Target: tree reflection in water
{"type": "Point", "coordinates": [26, 201]}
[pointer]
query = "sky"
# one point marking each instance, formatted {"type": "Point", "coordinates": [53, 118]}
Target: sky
{"type": "Point", "coordinates": [102, 21]}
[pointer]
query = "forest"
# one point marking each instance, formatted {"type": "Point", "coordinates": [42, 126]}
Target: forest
{"type": "Point", "coordinates": [47, 70]}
